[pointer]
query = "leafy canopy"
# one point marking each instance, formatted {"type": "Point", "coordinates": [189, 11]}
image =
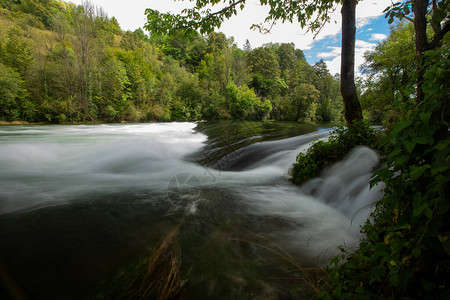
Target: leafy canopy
{"type": "Point", "coordinates": [207, 15]}
{"type": "Point", "coordinates": [436, 13]}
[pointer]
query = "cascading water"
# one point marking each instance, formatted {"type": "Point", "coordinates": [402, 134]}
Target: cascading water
{"type": "Point", "coordinates": [80, 203]}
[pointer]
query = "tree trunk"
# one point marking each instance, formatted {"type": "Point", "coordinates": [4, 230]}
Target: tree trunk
{"type": "Point", "coordinates": [420, 28]}
{"type": "Point", "coordinates": [352, 107]}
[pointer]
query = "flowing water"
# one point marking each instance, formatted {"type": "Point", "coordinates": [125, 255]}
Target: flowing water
{"type": "Point", "coordinates": [82, 208]}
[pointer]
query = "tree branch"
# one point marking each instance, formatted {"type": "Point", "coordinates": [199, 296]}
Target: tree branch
{"type": "Point", "coordinates": [435, 24]}
{"type": "Point", "coordinates": [439, 36]}
{"type": "Point", "coordinates": [212, 15]}
{"type": "Point", "coordinates": [409, 19]}
{"type": "Point", "coordinates": [225, 9]}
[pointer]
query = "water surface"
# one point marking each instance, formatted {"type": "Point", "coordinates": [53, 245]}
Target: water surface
{"type": "Point", "coordinates": [82, 208]}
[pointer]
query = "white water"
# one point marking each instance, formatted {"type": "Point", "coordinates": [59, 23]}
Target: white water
{"type": "Point", "coordinates": [53, 165]}
{"type": "Point", "coordinates": [43, 166]}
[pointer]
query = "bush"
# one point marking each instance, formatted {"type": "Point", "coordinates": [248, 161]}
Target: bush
{"type": "Point", "coordinates": [322, 154]}
{"type": "Point", "coordinates": [242, 101]}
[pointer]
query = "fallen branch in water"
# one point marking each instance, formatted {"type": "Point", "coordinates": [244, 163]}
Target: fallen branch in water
{"type": "Point", "coordinates": [163, 280]}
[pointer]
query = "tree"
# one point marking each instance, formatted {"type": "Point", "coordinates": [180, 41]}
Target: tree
{"type": "Point", "coordinates": [242, 101]}
{"type": "Point", "coordinates": [391, 70]}
{"type": "Point", "coordinates": [329, 93]}
{"type": "Point", "coordinates": [240, 73]}
{"type": "Point", "coordinates": [247, 46]}
{"type": "Point", "coordinates": [263, 63]}
{"type": "Point", "coordinates": [311, 14]}
{"type": "Point", "coordinates": [304, 97]}
{"type": "Point", "coordinates": [286, 56]}
{"type": "Point", "coordinates": [85, 29]}
{"type": "Point", "coordinates": [42, 9]}
{"type": "Point", "coordinates": [423, 14]}
{"type": "Point", "coordinates": [17, 51]}
{"type": "Point", "coordinates": [352, 107]}
{"type": "Point", "coordinates": [61, 27]}
{"type": "Point", "coordinates": [10, 87]}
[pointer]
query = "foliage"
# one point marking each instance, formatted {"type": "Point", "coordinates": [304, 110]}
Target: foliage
{"type": "Point", "coordinates": [13, 104]}
{"type": "Point", "coordinates": [405, 10]}
{"type": "Point", "coordinates": [311, 14]}
{"type": "Point", "coordinates": [406, 247]}
{"type": "Point", "coordinates": [431, 25]}
{"type": "Point", "coordinates": [324, 153]}
{"type": "Point", "coordinates": [16, 50]}
{"type": "Point", "coordinates": [391, 73]}
{"type": "Point", "coordinates": [81, 67]}
{"type": "Point", "coordinates": [303, 97]}
{"type": "Point", "coordinates": [206, 15]}
{"type": "Point", "coordinates": [244, 104]}
{"type": "Point", "coordinates": [329, 103]}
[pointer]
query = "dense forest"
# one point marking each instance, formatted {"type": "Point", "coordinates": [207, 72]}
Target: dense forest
{"type": "Point", "coordinates": [62, 63]}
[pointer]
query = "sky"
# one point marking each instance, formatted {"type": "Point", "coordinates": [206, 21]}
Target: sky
{"type": "Point", "coordinates": [372, 27]}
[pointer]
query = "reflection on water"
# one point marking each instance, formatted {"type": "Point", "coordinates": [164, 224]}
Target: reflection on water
{"type": "Point", "coordinates": [82, 208]}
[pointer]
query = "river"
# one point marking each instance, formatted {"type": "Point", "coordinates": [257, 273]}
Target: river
{"type": "Point", "coordinates": [82, 208]}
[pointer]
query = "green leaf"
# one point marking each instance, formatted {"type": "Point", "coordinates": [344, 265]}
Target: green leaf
{"type": "Point", "coordinates": [425, 117]}
{"type": "Point", "coordinates": [424, 140]}
{"type": "Point", "coordinates": [445, 241]}
{"type": "Point", "coordinates": [416, 252]}
{"type": "Point", "coordinates": [394, 153]}
{"type": "Point", "coordinates": [417, 172]}
{"type": "Point", "coordinates": [409, 146]}
{"type": "Point", "coordinates": [394, 280]}
{"type": "Point", "coordinates": [418, 205]}
{"type": "Point", "coordinates": [440, 169]}
{"type": "Point", "coordinates": [427, 285]}
{"type": "Point", "coordinates": [406, 10]}
{"type": "Point", "coordinates": [399, 127]}
{"type": "Point", "coordinates": [443, 144]}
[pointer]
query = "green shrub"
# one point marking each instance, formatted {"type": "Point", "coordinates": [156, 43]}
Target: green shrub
{"type": "Point", "coordinates": [322, 154]}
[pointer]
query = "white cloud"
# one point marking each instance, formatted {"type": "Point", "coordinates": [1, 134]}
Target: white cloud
{"type": "Point", "coordinates": [363, 44]}
{"type": "Point", "coordinates": [334, 65]}
{"type": "Point", "coordinates": [361, 48]}
{"type": "Point", "coordinates": [378, 37]}
{"type": "Point", "coordinates": [361, 22]}
{"type": "Point", "coordinates": [366, 11]}
{"type": "Point", "coordinates": [371, 9]}
{"type": "Point", "coordinates": [336, 51]}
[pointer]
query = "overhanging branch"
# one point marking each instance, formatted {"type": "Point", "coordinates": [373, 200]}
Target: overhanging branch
{"type": "Point", "coordinates": [437, 40]}
{"type": "Point", "coordinates": [210, 16]}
